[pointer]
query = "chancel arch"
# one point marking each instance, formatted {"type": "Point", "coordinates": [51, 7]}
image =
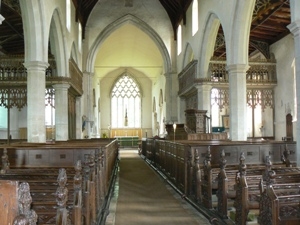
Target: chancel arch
{"type": "Point", "coordinates": [142, 26]}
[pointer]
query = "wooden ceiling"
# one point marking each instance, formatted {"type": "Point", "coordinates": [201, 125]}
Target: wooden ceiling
{"type": "Point", "coordinates": [269, 23]}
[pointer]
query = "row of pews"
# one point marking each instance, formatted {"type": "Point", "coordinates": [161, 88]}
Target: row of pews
{"type": "Point", "coordinates": [232, 182]}
{"type": "Point", "coordinates": [62, 183]}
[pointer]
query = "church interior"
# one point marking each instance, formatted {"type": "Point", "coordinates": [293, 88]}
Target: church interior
{"type": "Point", "coordinates": [204, 92]}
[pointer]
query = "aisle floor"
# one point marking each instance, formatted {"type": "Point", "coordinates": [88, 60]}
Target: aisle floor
{"type": "Point", "coordinates": [142, 197]}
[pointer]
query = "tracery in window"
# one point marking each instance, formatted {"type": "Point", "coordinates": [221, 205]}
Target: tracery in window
{"type": "Point", "coordinates": [50, 107]}
{"type": "Point", "coordinates": [219, 102]}
{"type": "Point", "coordinates": [3, 117]}
{"type": "Point", "coordinates": [126, 103]}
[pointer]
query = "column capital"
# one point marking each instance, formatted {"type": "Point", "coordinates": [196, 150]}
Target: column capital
{"type": "Point", "coordinates": [61, 86]}
{"type": "Point", "coordinates": [36, 65]}
{"type": "Point", "coordinates": [294, 27]}
{"type": "Point", "coordinates": [205, 87]}
{"type": "Point", "coordinates": [90, 74]}
{"type": "Point", "coordinates": [238, 68]}
{"type": "Point", "coordinates": [170, 74]}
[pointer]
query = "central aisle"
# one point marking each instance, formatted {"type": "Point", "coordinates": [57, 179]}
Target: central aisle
{"type": "Point", "coordinates": [144, 198]}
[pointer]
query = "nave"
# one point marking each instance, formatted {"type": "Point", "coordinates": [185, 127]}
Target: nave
{"type": "Point", "coordinates": [141, 196]}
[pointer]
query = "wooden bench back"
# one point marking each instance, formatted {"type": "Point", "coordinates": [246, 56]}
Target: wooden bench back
{"type": "Point", "coordinates": [8, 201]}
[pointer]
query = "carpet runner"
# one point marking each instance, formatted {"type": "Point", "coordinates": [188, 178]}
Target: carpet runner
{"type": "Point", "coordinates": [142, 197]}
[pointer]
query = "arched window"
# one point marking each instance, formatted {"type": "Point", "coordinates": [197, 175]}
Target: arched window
{"type": "Point", "coordinates": [195, 17]}
{"type": "Point", "coordinates": [50, 107]}
{"type": "Point", "coordinates": [68, 15]}
{"type": "Point", "coordinates": [3, 117]}
{"type": "Point", "coordinates": [126, 103]}
{"type": "Point", "coordinates": [79, 37]}
{"type": "Point", "coordinates": [179, 40]}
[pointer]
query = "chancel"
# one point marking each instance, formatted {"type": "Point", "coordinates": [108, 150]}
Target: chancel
{"type": "Point", "coordinates": [149, 112]}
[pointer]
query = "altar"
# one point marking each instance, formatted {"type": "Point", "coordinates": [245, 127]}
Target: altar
{"type": "Point", "coordinates": [128, 141]}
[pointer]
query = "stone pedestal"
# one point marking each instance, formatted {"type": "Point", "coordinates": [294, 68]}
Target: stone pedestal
{"type": "Point", "coordinates": [196, 120]}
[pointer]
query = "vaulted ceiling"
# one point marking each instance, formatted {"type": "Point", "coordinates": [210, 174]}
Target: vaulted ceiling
{"type": "Point", "coordinates": [269, 23]}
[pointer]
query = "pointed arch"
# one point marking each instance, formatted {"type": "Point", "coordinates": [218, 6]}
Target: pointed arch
{"type": "Point", "coordinates": [207, 46]}
{"type": "Point", "coordinates": [188, 55]}
{"type": "Point", "coordinates": [74, 55]}
{"type": "Point", "coordinates": [117, 24]}
{"type": "Point", "coordinates": [35, 32]}
{"type": "Point", "coordinates": [238, 39]}
{"type": "Point", "coordinates": [57, 44]}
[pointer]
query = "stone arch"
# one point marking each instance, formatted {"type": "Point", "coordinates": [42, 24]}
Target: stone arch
{"type": "Point", "coordinates": [188, 55]}
{"type": "Point", "coordinates": [237, 38]}
{"type": "Point", "coordinates": [36, 43]}
{"type": "Point", "coordinates": [138, 23]}
{"type": "Point", "coordinates": [73, 54]}
{"type": "Point", "coordinates": [207, 46]}
{"type": "Point", "coordinates": [57, 44]}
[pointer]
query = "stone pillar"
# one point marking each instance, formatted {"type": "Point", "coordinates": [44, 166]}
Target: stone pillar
{"type": "Point", "coordinates": [90, 103]}
{"type": "Point", "coordinates": [295, 29]}
{"type": "Point", "coordinates": [204, 98]}
{"type": "Point", "coordinates": [171, 90]}
{"type": "Point", "coordinates": [204, 103]}
{"type": "Point", "coordinates": [237, 101]}
{"type": "Point", "coordinates": [61, 112]}
{"type": "Point", "coordinates": [78, 118]}
{"type": "Point", "coordinates": [36, 79]}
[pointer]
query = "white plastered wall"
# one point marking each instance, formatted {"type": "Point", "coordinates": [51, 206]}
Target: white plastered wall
{"type": "Point", "coordinates": [285, 96]}
{"type": "Point", "coordinates": [106, 85]}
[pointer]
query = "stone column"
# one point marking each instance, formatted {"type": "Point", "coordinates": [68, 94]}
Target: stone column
{"type": "Point", "coordinates": [36, 129]}
{"type": "Point", "coordinates": [171, 90]}
{"type": "Point", "coordinates": [237, 101]}
{"type": "Point", "coordinates": [90, 110]}
{"type": "Point", "coordinates": [295, 29]}
{"type": "Point", "coordinates": [78, 118]}
{"type": "Point", "coordinates": [204, 101]}
{"type": "Point", "coordinates": [61, 112]}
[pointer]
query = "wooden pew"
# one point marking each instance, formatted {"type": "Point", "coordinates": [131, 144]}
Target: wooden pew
{"type": "Point", "coordinates": [47, 191]}
{"type": "Point", "coordinates": [15, 203]}
{"type": "Point", "coordinates": [248, 195]}
{"type": "Point", "coordinates": [99, 164]}
{"type": "Point", "coordinates": [280, 199]}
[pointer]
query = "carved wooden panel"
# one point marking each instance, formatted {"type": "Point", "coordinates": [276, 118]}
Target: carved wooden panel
{"type": "Point", "coordinates": [289, 126]}
{"type": "Point", "coordinates": [196, 120]}
{"type": "Point", "coordinates": [38, 157]}
{"type": "Point", "coordinates": [61, 157]}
